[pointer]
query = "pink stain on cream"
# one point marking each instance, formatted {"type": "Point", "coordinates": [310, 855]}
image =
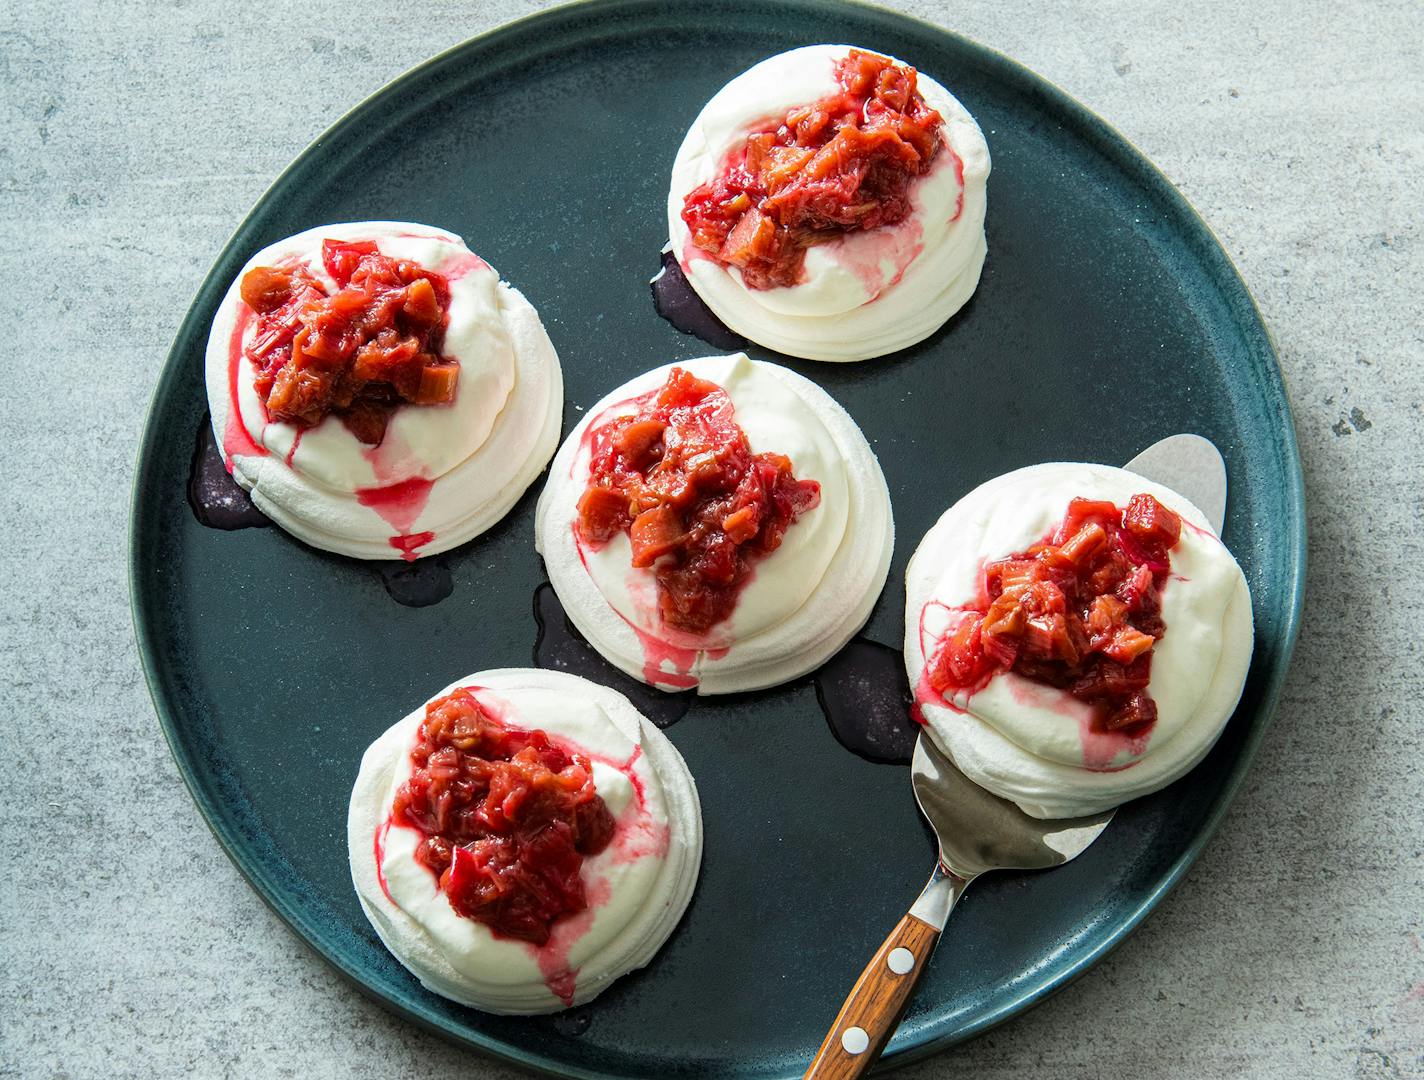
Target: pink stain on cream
{"type": "Point", "coordinates": [236, 438]}
{"type": "Point", "coordinates": [400, 505]}
{"type": "Point", "coordinates": [867, 255]}
{"type": "Point", "coordinates": [665, 663]}
{"type": "Point", "coordinates": [398, 502]}
{"type": "Point", "coordinates": [925, 694]}
{"type": "Point", "coordinates": [635, 836]}
{"type": "Point", "coordinates": [1103, 751]}
{"type": "Point", "coordinates": [380, 853]}
{"type": "Point", "coordinates": [669, 656]}
{"type": "Point", "coordinates": [870, 253]}
{"type": "Point", "coordinates": [659, 656]}
{"type": "Point", "coordinates": [958, 163]}
{"type": "Point", "coordinates": [553, 956]}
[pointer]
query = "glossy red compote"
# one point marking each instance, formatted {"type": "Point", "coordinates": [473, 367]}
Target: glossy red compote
{"type": "Point", "coordinates": [358, 352]}
{"type": "Point", "coordinates": [679, 477]}
{"type": "Point", "coordinates": [1080, 611]}
{"type": "Point", "coordinates": [507, 817]}
{"type": "Point", "coordinates": [836, 165]}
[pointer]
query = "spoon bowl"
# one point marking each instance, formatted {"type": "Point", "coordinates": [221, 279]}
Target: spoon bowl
{"type": "Point", "coordinates": [978, 831]}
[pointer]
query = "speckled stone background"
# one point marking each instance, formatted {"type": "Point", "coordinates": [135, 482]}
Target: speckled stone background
{"type": "Point", "coordinates": [134, 137]}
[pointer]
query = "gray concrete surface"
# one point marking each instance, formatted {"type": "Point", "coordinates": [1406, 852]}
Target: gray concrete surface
{"type": "Point", "coordinates": [134, 137]}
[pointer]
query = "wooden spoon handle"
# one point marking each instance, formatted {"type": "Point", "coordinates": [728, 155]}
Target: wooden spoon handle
{"type": "Point", "coordinates": [873, 1010]}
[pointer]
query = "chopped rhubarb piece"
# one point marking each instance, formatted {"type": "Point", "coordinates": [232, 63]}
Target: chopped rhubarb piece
{"type": "Point", "coordinates": [278, 322]}
{"type": "Point", "coordinates": [1044, 598]}
{"type": "Point", "coordinates": [1045, 637]}
{"type": "Point", "coordinates": [753, 238]}
{"type": "Point", "coordinates": [639, 441]}
{"type": "Point", "coordinates": [421, 306]}
{"type": "Point", "coordinates": [367, 420]}
{"type": "Point", "coordinates": [266, 288]}
{"type": "Point", "coordinates": [1083, 544]}
{"type": "Point", "coordinates": [1109, 572]}
{"type": "Point", "coordinates": [357, 353]}
{"type": "Point", "coordinates": [1014, 575]}
{"type": "Point", "coordinates": [742, 525]}
{"type": "Point", "coordinates": [838, 165]}
{"type": "Point", "coordinates": [390, 358]}
{"type": "Point", "coordinates": [341, 257]}
{"type": "Point", "coordinates": [1137, 588]}
{"type": "Point", "coordinates": [1103, 679]}
{"type": "Point", "coordinates": [437, 383]}
{"type": "Point", "coordinates": [299, 394]}
{"type": "Point", "coordinates": [1003, 648]}
{"type": "Point", "coordinates": [655, 533]}
{"type": "Point", "coordinates": [1151, 523]}
{"type": "Point", "coordinates": [1081, 611]}
{"type": "Point", "coordinates": [699, 507]}
{"type": "Point", "coordinates": [603, 513]}
{"type": "Point", "coordinates": [961, 657]}
{"type": "Point", "coordinates": [1005, 615]}
{"type": "Point", "coordinates": [1128, 644]}
{"type": "Point", "coordinates": [506, 818]}
{"type": "Point", "coordinates": [1107, 614]}
{"type": "Point", "coordinates": [1138, 711]}
{"type": "Point", "coordinates": [1082, 511]}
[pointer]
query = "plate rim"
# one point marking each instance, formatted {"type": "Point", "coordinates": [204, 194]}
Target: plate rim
{"type": "Point", "coordinates": [1124, 155]}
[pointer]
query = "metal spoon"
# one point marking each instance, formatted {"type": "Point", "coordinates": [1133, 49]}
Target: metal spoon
{"type": "Point", "coordinates": [979, 832]}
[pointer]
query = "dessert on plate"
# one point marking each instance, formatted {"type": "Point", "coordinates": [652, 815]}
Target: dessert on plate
{"type": "Point", "coordinates": [719, 523]}
{"type": "Point", "coordinates": [1076, 636]}
{"type": "Point", "coordinates": [829, 203]}
{"type": "Point", "coordinates": [523, 839]}
{"type": "Point", "coordinates": [379, 391]}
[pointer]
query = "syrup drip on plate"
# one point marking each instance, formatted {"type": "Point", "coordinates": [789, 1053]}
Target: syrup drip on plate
{"type": "Point", "coordinates": [572, 1022]}
{"type": "Point", "coordinates": [677, 302]}
{"type": "Point", "coordinates": [560, 647]}
{"type": "Point", "coordinates": [865, 694]}
{"type": "Point", "coordinates": [217, 500]}
{"type": "Point", "coordinates": [418, 584]}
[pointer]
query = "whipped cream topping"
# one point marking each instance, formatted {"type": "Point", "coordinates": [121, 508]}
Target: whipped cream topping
{"type": "Point", "coordinates": [443, 473]}
{"type": "Point", "coordinates": [638, 887]}
{"type": "Point", "coordinates": [864, 294]}
{"type": "Point", "coordinates": [1031, 743]}
{"type": "Point", "coordinates": [802, 602]}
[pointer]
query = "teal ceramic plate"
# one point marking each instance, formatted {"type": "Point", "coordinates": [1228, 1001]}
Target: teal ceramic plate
{"type": "Point", "coordinates": [1107, 318]}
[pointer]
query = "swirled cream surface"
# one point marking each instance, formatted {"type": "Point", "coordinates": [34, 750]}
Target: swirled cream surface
{"type": "Point", "coordinates": [865, 293]}
{"type": "Point", "coordinates": [442, 473]}
{"type": "Point", "coordinates": [802, 602]}
{"type": "Point", "coordinates": [1034, 744]}
{"type": "Point", "coordinates": [638, 887]}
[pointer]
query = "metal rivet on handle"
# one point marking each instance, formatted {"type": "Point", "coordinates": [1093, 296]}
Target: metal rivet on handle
{"type": "Point", "coordinates": [900, 961]}
{"type": "Point", "coordinates": [854, 1040]}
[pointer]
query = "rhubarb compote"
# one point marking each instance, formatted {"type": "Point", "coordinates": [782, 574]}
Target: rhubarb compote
{"type": "Point", "coordinates": [1080, 611]}
{"type": "Point", "coordinates": [699, 508]}
{"type": "Point", "coordinates": [357, 351]}
{"type": "Point", "coordinates": [506, 817]}
{"type": "Point", "coordinates": [837, 165]}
